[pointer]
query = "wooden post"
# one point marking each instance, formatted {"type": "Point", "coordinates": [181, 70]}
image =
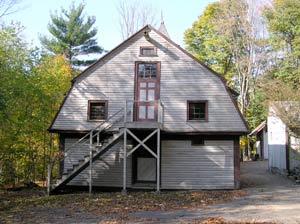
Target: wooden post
{"type": "Point", "coordinates": [125, 112]}
{"type": "Point", "coordinates": [124, 160]}
{"type": "Point", "coordinates": [98, 138]}
{"type": "Point", "coordinates": [158, 161]}
{"type": "Point", "coordinates": [131, 111]}
{"type": "Point", "coordinates": [48, 179]}
{"type": "Point", "coordinates": [91, 162]}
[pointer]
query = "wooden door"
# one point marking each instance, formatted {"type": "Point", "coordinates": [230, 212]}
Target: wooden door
{"type": "Point", "coordinates": [147, 91]}
{"type": "Point", "coordinates": [146, 169]}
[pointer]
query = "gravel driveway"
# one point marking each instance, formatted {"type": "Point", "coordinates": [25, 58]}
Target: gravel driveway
{"type": "Point", "coordinates": [270, 198]}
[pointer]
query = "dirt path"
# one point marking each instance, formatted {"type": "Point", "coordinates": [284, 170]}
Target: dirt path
{"type": "Point", "coordinates": [271, 198]}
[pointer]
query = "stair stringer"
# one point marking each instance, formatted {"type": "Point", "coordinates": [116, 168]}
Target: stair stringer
{"type": "Point", "coordinates": [84, 164]}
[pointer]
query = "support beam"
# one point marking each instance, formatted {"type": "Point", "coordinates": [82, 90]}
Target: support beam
{"type": "Point", "coordinates": [125, 112]}
{"type": "Point", "coordinates": [91, 163]}
{"type": "Point", "coordinates": [48, 179]}
{"type": "Point", "coordinates": [146, 139]}
{"type": "Point", "coordinates": [98, 138]}
{"type": "Point", "coordinates": [158, 162]}
{"type": "Point", "coordinates": [124, 160]}
{"type": "Point", "coordinates": [141, 143]}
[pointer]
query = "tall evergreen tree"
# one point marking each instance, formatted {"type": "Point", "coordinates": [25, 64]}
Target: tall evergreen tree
{"type": "Point", "coordinates": [72, 35]}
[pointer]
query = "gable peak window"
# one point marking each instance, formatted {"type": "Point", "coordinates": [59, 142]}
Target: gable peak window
{"type": "Point", "coordinates": [97, 109]}
{"type": "Point", "coordinates": [148, 51]}
{"type": "Point", "coordinates": [197, 110]}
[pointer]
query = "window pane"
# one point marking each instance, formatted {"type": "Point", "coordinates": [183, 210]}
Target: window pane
{"type": "Point", "coordinates": [151, 95]}
{"type": "Point", "coordinates": [197, 111]}
{"type": "Point", "coordinates": [151, 84]}
{"type": "Point", "coordinates": [147, 70]}
{"type": "Point", "coordinates": [198, 142]}
{"type": "Point", "coordinates": [97, 111]}
{"type": "Point", "coordinates": [150, 112]}
{"type": "Point", "coordinates": [148, 51]}
{"type": "Point", "coordinates": [142, 112]}
{"type": "Point", "coordinates": [143, 84]}
{"type": "Point", "coordinates": [142, 95]}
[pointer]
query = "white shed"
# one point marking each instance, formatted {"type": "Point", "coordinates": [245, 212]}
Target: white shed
{"type": "Point", "coordinates": [261, 133]}
{"type": "Point", "coordinates": [283, 144]}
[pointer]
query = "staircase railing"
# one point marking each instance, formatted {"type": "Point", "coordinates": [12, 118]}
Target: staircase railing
{"type": "Point", "coordinates": [126, 116]}
{"type": "Point", "coordinates": [86, 139]}
{"type": "Point", "coordinates": [130, 108]}
{"type": "Point", "coordinates": [98, 129]}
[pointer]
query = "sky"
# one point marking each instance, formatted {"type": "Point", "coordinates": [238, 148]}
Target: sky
{"type": "Point", "coordinates": [34, 15]}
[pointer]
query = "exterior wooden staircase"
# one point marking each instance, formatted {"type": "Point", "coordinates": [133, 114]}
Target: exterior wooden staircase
{"type": "Point", "coordinates": [96, 150]}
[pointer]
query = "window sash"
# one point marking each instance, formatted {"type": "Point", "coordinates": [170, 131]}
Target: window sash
{"type": "Point", "coordinates": [147, 70]}
{"type": "Point", "coordinates": [97, 110]}
{"type": "Point", "coordinates": [148, 51]}
{"type": "Point", "coordinates": [197, 110]}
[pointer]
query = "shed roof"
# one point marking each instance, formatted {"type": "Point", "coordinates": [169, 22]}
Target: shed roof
{"type": "Point", "coordinates": [259, 128]}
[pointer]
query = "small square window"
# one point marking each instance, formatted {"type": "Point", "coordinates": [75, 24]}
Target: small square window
{"type": "Point", "coordinates": [197, 142]}
{"type": "Point", "coordinates": [148, 51]}
{"type": "Point", "coordinates": [197, 111]}
{"type": "Point", "coordinates": [97, 110]}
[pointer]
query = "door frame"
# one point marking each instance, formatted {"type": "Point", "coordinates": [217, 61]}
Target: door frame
{"type": "Point", "coordinates": [135, 171]}
{"type": "Point", "coordinates": [136, 94]}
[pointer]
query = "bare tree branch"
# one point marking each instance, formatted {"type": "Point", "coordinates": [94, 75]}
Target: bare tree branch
{"type": "Point", "coordinates": [239, 23]}
{"type": "Point", "coordinates": [8, 7]}
{"type": "Point", "coordinates": [133, 15]}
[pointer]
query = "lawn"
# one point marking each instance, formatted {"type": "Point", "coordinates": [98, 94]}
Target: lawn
{"type": "Point", "coordinates": [33, 206]}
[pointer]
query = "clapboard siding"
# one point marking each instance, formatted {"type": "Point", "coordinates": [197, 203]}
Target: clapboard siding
{"type": "Point", "coordinates": [197, 167]}
{"type": "Point", "coordinates": [182, 79]}
{"type": "Point", "coordinates": [294, 155]}
{"type": "Point", "coordinates": [107, 170]}
{"type": "Point", "coordinates": [277, 141]}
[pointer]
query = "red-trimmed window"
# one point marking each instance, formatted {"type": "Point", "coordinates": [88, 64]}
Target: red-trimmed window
{"type": "Point", "coordinates": [148, 51]}
{"type": "Point", "coordinates": [97, 109]}
{"type": "Point", "coordinates": [197, 110]}
{"type": "Point", "coordinates": [147, 70]}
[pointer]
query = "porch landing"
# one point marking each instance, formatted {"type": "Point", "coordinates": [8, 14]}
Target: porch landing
{"type": "Point", "coordinates": [143, 125]}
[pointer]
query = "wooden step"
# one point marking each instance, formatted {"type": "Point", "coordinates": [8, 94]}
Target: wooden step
{"type": "Point", "coordinates": [83, 163]}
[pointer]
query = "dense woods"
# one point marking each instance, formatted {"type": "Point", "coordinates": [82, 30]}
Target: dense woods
{"type": "Point", "coordinates": [31, 89]}
{"type": "Point", "coordinates": [255, 45]}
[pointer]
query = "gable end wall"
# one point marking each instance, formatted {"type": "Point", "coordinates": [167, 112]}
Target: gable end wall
{"type": "Point", "coordinates": [182, 79]}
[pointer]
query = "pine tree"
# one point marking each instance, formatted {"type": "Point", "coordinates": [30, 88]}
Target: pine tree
{"type": "Point", "coordinates": [72, 35]}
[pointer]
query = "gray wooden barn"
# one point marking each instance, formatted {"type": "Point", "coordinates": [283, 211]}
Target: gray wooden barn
{"type": "Point", "coordinates": [149, 115]}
